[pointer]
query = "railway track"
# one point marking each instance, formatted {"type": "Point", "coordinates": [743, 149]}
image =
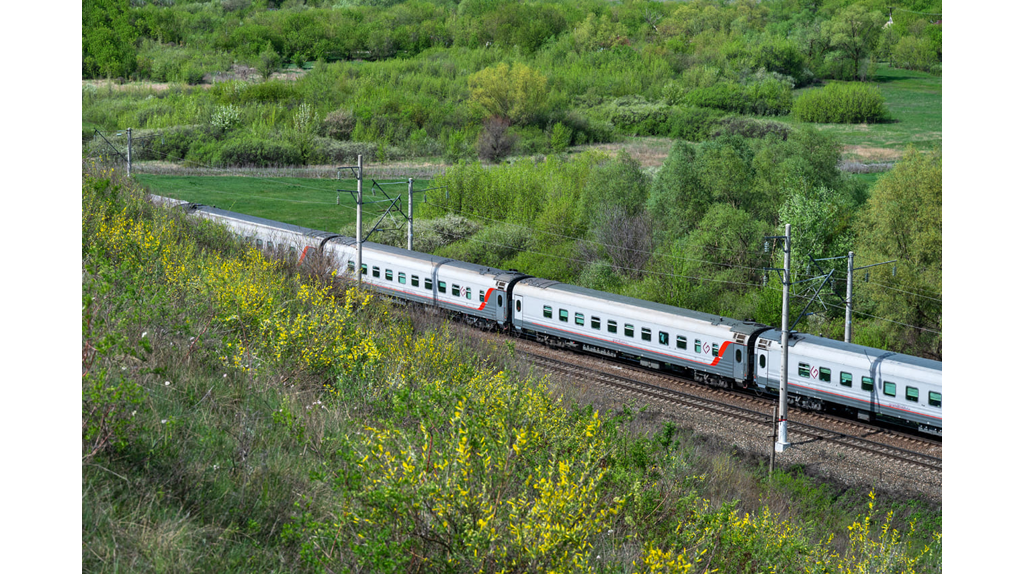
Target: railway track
{"type": "Point", "coordinates": [759, 413]}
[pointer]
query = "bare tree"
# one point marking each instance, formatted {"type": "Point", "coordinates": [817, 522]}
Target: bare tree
{"type": "Point", "coordinates": [625, 240]}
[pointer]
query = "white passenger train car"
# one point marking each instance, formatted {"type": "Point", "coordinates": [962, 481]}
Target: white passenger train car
{"type": "Point", "coordinates": [476, 291]}
{"type": "Point", "coordinates": [710, 348]}
{"type": "Point", "coordinates": [868, 382]}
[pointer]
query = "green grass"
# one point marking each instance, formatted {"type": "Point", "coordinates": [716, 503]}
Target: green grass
{"type": "Point", "coordinates": [914, 100]}
{"type": "Point", "coordinates": [310, 203]}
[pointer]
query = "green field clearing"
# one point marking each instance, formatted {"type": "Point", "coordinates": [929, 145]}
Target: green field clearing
{"type": "Point", "coordinates": [915, 101]}
{"type": "Point", "coordinates": [310, 203]}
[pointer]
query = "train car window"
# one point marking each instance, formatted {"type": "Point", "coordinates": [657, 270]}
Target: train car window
{"type": "Point", "coordinates": [845, 379]}
{"type": "Point", "coordinates": [428, 284]}
{"type": "Point", "coordinates": [681, 342]}
{"type": "Point", "coordinates": [481, 295]}
{"type": "Point", "coordinates": [663, 337]}
{"type": "Point", "coordinates": [291, 252]}
{"type": "Point", "coordinates": [389, 275]}
{"type": "Point", "coordinates": [889, 388]}
{"type": "Point", "coordinates": [696, 346]}
{"type": "Point", "coordinates": [363, 269]}
{"type": "Point", "coordinates": [469, 294]}
{"type": "Point", "coordinates": [762, 361]}
{"type": "Point", "coordinates": [912, 394]}
{"type": "Point", "coordinates": [714, 349]}
{"type": "Point", "coordinates": [547, 311]}
{"type": "Point", "coordinates": [442, 287]}
{"type": "Point", "coordinates": [376, 271]}
{"type": "Point", "coordinates": [456, 292]}
{"type": "Point", "coordinates": [259, 244]}
{"type": "Point", "coordinates": [401, 278]}
{"type": "Point", "coordinates": [415, 280]}
{"type": "Point", "coordinates": [739, 355]}
{"type": "Point", "coordinates": [500, 303]}
{"type": "Point", "coordinates": [519, 305]}
{"type": "Point", "coordinates": [628, 330]}
{"type": "Point", "coordinates": [613, 326]}
{"type": "Point", "coordinates": [867, 383]}
{"type": "Point", "coordinates": [270, 245]}
{"type": "Point", "coordinates": [645, 333]}
{"type": "Point", "coordinates": [934, 399]}
{"type": "Point", "coordinates": [825, 375]}
{"type": "Point", "coordinates": [563, 315]}
{"type": "Point", "coordinates": [595, 323]}
{"type": "Point", "coordinates": [804, 370]}
{"type": "Point", "coordinates": [351, 266]}
{"type": "Point", "coordinates": [579, 319]}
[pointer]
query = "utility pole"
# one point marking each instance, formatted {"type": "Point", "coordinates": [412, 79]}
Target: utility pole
{"type": "Point", "coordinates": [359, 220]}
{"type": "Point", "coordinates": [409, 247]}
{"type": "Point", "coordinates": [781, 440]}
{"type": "Point", "coordinates": [848, 335]}
{"type": "Point", "coordinates": [782, 443]}
{"type": "Point", "coordinates": [129, 152]}
{"type": "Point", "coordinates": [848, 331]}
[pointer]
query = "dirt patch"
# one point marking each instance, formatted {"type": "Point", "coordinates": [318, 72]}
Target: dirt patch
{"type": "Point", "coordinates": [650, 152]}
{"type": "Point", "coordinates": [867, 154]}
{"type": "Point", "coordinates": [237, 72]}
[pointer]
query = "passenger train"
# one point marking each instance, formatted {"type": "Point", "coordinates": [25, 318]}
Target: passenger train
{"type": "Point", "coordinates": [824, 374]}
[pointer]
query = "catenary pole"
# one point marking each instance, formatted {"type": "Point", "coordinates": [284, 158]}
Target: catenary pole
{"type": "Point", "coordinates": [129, 152]}
{"type": "Point", "coordinates": [359, 221]}
{"type": "Point", "coordinates": [783, 439]}
{"type": "Point", "coordinates": [410, 215]}
{"type": "Point", "coordinates": [848, 332]}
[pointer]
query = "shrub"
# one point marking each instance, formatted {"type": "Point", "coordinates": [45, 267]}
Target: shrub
{"type": "Point", "coordinates": [344, 152]}
{"type": "Point", "coordinates": [842, 102]}
{"type": "Point", "coordinates": [693, 124]}
{"type": "Point", "coordinates": [768, 95]}
{"type": "Point", "coordinates": [750, 128]}
{"type": "Point", "coordinates": [495, 142]}
{"type": "Point", "coordinates": [258, 152]}
{"type": "Point", "coordinates": [269, 62]}
{"type": "Point", "coordinates": [635, 115]}
{"type": "Point", "coordinates": [268, 92]}
{"type": "Point", "coordinates": [561, 137]}
{"type": "Point", "coordinates": [226, 117]}
{"type": "Point", "coordinates": [914, 54]}
{"type": "Point", "coordinates": [338, 124]}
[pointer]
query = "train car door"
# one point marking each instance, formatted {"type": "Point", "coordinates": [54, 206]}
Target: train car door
{"type": "Point", "coordinates": [762, 366]}
{"type": "Point", "coordinates": [517, 310]}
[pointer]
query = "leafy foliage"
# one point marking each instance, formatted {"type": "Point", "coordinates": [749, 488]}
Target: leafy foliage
{"type": "Point", "coordinates": [914, 295]}
{"type": "Point", "coordinates": [841, 103]}
{"type": "Point", "coordinates": [516, 93]}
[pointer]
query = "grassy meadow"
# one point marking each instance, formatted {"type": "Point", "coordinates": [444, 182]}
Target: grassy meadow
{"type": "Point", "coordinates": [313, 203]}
{"type": "Point", "coordinates": [914, 100]}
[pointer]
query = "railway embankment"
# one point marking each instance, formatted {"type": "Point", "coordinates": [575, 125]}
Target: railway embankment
{"type": "Point", "coordinates": [240, 413]}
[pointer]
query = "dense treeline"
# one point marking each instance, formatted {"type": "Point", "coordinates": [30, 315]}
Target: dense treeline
{"type": "Point", "coordinates": [693, 234]}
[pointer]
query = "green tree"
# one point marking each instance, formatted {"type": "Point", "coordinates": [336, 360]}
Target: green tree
{"type": "Point", "coordinates": [517, 93]}
{"type": "Point", "coordinates": [108, 39]}
{"type": "Point", "coordinates": [822, 223]}
{"type": "Point", "coordinates": [903, 220]}
{"type": "Point", "coordinates": [851, 35]}
{"type": "Point", "coordinates": [269, 62]}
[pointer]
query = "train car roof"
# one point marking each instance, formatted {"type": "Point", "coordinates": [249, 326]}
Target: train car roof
{"type": "Point", "coordinates": [557, 286]}
{"type": "Point", "coordinates": [499, 274]}
{"type": "Point", "coordinates": [852, 348]}
{"type": "Point", "coordinates": [263, 222]}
